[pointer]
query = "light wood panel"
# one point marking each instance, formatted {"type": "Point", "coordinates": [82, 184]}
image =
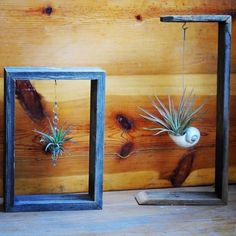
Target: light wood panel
{"type": "Point", "coordinates": [148, 161]}
{"type": "Point", "coordinates": [108, 34]}
{"type": "Point", "coordinates": [142, 57]}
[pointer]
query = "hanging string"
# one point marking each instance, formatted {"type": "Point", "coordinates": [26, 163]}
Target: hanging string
{"type": "Point", "coordinates": [183, 55]}
{"type": "Point", "coordinates": [55, 108]}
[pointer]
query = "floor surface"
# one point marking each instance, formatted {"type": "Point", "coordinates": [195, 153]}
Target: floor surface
{"type": "Point", "coordinates": [121, 215]}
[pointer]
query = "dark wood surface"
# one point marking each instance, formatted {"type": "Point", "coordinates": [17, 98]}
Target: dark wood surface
{"type": "Point", "coordinates": [173, 197]}
{"type": "Point", "coordinates": [47, 202]}
{"type": "Point", "coordinates": [223, 109]}
{"type": "Point", "coordinates": [121, 215]}
{"type": "Point", "coordinates": [9, 160]}
{"type": "Point", "coordinates": [196, 18]}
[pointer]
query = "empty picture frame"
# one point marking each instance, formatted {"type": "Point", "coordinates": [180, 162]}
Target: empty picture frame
{"type": "Point", "coordinates": [65, 201]}
{"type": "Point", "coordinates": [220, 193]}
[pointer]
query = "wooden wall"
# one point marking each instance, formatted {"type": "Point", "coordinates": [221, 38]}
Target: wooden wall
{"type": "Point", "coordinates": [142, 57]}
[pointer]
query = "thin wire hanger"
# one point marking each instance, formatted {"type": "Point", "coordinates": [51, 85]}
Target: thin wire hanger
{"type": "Point", "coordinates": [184, 28]}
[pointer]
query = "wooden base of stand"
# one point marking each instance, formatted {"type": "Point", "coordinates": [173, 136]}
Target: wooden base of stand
{"type": "Point", "coordinates": [175, 197]}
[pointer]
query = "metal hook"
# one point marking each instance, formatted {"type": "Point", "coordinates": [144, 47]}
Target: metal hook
{"type": "Point", "coordinates": [184, 28]}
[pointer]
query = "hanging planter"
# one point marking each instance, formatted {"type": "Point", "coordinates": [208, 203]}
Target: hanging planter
{"type": "Point", "coordinates": [187, 140]}
{"type": "Point", "coordinates": [219, 194]}
{"type": "Point", "coordinates": [177, 122]}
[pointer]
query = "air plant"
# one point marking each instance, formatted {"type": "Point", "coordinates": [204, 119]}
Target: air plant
{"type": "Point", "coordinates": [54, 140]}
{"type": "Point", "coordinates": [174, 120]}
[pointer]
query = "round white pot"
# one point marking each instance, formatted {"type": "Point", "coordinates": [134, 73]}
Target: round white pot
{"type": "Point", "coordinates": [189, 139]}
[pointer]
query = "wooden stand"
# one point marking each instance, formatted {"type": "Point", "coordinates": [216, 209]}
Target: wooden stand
{"type": "Point", "coordinates": [47, 202]}
{"type": "Point", "coordinates": [220, 193]}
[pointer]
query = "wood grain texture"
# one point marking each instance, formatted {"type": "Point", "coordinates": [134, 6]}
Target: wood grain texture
{"type": "Point", "coordinates": [183, 169]}
{"type": "Point", "coordinates": [109, 35]}
{"type": "Point", "coordinates": [196, 18]}
{"type": "Point", "coordinates": [177, 198]}
{"type": "Point", "coordinates": [121, 215]}
{"type": "Point", "coordinates": [142, 57]}
{"type": "Point", "coordinates": [151, 160]}
{"type": "Point", "coordinates": [223, 109]}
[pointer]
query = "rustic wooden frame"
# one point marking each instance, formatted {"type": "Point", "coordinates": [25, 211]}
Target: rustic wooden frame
{"type": "Point", "coordinates": [220, 193]}
{"type": "Point", "coordinates": [48, 202]}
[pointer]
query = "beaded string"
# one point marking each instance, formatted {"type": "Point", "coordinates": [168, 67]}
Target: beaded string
{"type": "Point", "coordinates": [55, 108]}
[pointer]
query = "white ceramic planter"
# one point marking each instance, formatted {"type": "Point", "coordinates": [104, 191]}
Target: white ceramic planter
{"type": "Point", "coordinates": [189, 139]}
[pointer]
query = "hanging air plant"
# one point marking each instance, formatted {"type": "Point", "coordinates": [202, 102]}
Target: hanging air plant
{"type": "Point", "coordinates": [54, 141]}
{"type": "Point", "coordinates": [176, 121]}
{"type": "Point", "coordinates": [56, 138]}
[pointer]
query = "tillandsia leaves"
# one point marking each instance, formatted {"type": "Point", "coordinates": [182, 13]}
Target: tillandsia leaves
{"type": "Point", "coordinates": [174, 120]}
{"type": "Point", "coordinates": [54, 140]}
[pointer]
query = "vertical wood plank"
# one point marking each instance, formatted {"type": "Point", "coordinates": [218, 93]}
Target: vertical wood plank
{"type": "Point", "coordinates": [97, 139]}
{"type": "Point", "coordinates": [9, 179]}
{"type": "Point", "coordinates": [223, 99]}
{"type": "Point", "coordinates": [92, 139]}
{"type": "Point", "coordinates": [100, 139]}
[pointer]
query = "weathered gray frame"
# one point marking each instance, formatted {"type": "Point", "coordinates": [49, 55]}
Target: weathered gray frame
{"type": "Point", "coordinates": [220, 195]}
{"type": "Point", "coordinates": [47, 202]}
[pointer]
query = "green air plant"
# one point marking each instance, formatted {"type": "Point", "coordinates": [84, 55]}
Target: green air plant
{"type": "Point", "coordinates": [174, 120]}
{"type": "Point", "coordinates": [54, 140]}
